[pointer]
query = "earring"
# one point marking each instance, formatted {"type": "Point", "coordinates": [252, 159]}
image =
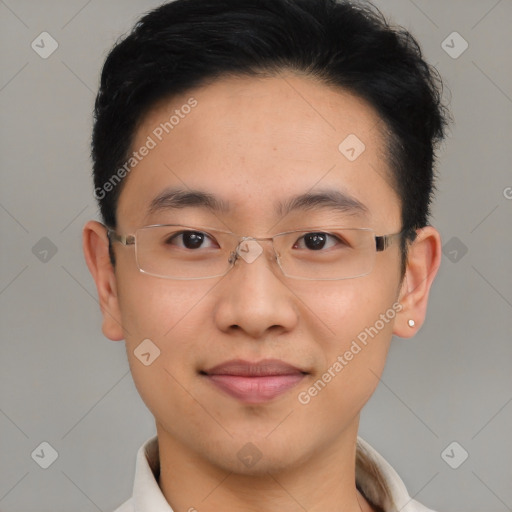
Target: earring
{"type": "Point", "coordinates": [411, 323]}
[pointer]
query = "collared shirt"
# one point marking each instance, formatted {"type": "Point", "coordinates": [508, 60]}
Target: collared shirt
{"type": "Point", "coordinates": [375, 478]}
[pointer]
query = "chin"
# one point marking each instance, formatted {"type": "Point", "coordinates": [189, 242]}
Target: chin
{"type": "Point", "coordinates": [257, 456]}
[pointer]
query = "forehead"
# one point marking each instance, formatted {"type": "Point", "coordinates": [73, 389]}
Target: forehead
{"type": "Point", "coordinates": [255, 143]}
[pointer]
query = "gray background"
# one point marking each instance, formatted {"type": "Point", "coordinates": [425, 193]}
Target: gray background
{"type": "Point", "coordinates": [62, 382]}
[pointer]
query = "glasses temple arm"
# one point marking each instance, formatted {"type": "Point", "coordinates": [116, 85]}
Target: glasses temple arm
{"type": "Point", "coordinates": [124, 239]}
{"type": "Point", "coordinates": [384, 241]}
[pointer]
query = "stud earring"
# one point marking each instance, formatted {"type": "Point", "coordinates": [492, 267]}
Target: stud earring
{"type": "Point", "coordinates": [411, 323]}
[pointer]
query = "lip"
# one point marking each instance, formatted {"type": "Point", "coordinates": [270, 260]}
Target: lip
{"type": "Point", "coordinates": [254, 382]}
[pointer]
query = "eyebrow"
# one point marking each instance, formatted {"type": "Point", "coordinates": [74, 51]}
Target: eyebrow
{"type": "Point", "coordinates": [177, 198]}
{"type": "Point", "coordinates": [324, 199]}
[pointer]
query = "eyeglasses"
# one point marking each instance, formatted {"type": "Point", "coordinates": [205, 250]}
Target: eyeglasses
{"type": "Point", "coordinates": [319, 253]}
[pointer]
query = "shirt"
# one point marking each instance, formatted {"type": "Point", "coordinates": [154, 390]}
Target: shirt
{"type": "Point", "coordinates": [375, 478]}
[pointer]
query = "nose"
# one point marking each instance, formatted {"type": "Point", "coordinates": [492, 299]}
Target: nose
{"type": "Point", "coordinates": [253, 296]}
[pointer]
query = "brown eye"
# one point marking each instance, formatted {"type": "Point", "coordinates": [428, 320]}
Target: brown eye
{"type": "Point", "coordinates": [317, 241]}
{"type": "Point", "coordinates": [189, 239]}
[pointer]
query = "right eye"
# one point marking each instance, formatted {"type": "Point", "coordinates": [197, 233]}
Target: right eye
{"type": "Point", "coordinates": [190, 240]}
{"type": "Point", "coordinates": [316, 241]}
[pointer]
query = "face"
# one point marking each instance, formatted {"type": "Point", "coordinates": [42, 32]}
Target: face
{"type": "Point", "coordinates": [253, 144]}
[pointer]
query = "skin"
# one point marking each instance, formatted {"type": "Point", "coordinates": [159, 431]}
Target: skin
{"type": "Point", "coordinates": [254, 142]}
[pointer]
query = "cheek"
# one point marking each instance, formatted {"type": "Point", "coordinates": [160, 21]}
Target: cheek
{"type": "Point", "coordinates": [170, 315]}
{"type": "Point", "coordinates": [339, 311]}
{"type": "Point", "coordinates": [360, 318]}
{"type": "Point", "coordinates": [156, 308]}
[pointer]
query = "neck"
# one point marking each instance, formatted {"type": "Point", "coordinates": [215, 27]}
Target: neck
{"type": "Point", "coordinates": [324, 480]}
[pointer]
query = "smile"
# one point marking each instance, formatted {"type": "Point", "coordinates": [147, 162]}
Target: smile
{"type": "Point", "coordinates": [254, 382]}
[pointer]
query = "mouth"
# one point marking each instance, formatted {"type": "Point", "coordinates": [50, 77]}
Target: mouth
{"type": "Point", "coordinates": [254, 382]}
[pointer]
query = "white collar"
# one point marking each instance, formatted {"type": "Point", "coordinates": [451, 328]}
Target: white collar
{"type": "Point", "coordinates": [378, 481]}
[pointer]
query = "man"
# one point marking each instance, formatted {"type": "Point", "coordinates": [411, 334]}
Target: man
{"type": "Point", "coordinates": [264, 170]}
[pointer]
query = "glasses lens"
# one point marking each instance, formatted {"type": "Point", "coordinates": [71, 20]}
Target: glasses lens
{"type": "Point", "coordinates": [326, 254]}
{"type": "Point", "coordinates": [181, 252]}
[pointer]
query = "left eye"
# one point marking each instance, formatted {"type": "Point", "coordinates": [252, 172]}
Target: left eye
{"type": "Point", "coordinates": [189, 239]}
{"type": "Point", "coordinates": [317, 241]}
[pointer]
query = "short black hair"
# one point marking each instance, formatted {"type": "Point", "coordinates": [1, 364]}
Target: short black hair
{"type": "Point", "coordinates": [189, 43]}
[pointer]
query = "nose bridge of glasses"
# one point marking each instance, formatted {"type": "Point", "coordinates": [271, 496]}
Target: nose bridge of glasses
{"type": "Point", "coordinates": [249, 248]}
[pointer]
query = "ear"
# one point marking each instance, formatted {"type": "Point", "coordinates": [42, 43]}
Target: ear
{"type": "Point", "coordinates": [423, 260]}
{"type": "Point", "coordinates": [95, 246]}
